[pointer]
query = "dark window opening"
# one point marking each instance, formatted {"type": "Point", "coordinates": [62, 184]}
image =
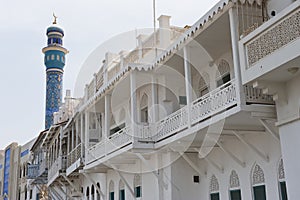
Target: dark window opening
{"type": "Point", "coordinates": [223, 80]}
{"type": "Point", "coordinates": [214, 196]}
{"type": "Point", "coordinates": [122, 195]}
{"type": "Point", "coordinates": [235, 195]}
{"type": "Point", "coordinates": [283, 192]}
{"type": "Point", "coordinates": [138, 191]}
{"type": "Point", "coordinates": [259, 192]}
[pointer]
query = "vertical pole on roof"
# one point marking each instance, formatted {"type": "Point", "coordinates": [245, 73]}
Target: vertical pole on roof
{"type": "Point", "coordinates": [154, 26]}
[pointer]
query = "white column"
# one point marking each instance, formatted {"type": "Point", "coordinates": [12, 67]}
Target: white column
{"type": "Point", "coordinates": [233, 18]}
{"type": "Point", "coordinates": [154, 96]}
{"type": "Point", "coordinates": [188, 81]}
{"type": "Point", "coordinates": [77, 132]}
{"type": "Point", "coordinates": [73, 137]}
{"type": "Point", "coordinates": [60, 141]}
{"type": "Point", "coordinates": [289, 139]}
{"type": "Point", "coordinates": [107, 114]}
{"type": "Point", "coordinates": [82, 134]}
{"type": "Point", "coordinates": [86, 134]}
{"type": "Point", "coordinates": [133, 102]}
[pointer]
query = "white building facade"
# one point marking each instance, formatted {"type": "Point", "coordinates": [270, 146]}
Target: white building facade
{"type": "Point", "coordinates": [209, 111]}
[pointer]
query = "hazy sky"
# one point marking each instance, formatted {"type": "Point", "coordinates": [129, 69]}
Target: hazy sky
{"type": "Point", "coordinates": [87, 24]}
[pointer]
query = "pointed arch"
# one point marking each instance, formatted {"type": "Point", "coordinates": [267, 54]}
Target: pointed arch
{"type": "Point", "coordinates": [214, 188]}
{"type": "Point", "coordinates": [202, 84]}
{"type": "Point", "coordinates": [137, 183]}
{"type": "Point", "coordinates": [121, 190]}
{"type": "Point", "coordinates": [281, 180]}
{"type": "Point", "coordinates": [214, 184]}
{"type": "Point", "coordinates": [144, 108]}
{"type": "Point", "coordinates": [234, 180]}
{"type": "Point", "coordinates": [93, 192]}
{"type": "Point", "coordinates": [97, 192]}
{"type": "Point", "coordinates": [87, 193]}
{"type": "Point", "coordinates": [223, 73]}
{"type": "Point", "coordinates": [111, 189]}
{"type": "Point", "coordinates": [258, 176]}
{"type": "Point", "coordinates": [281, 173]}
{"type": "Point", "coordinates": [258, 183]}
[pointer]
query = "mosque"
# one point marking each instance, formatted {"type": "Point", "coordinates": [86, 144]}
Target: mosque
{"type": "Point", "coordinates": [208, 111]}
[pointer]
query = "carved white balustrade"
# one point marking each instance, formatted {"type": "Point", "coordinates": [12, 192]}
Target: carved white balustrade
{"type": "Point", "coordinates": [74, 155]}
{"type": "Point", "coordinates": [214, 102]}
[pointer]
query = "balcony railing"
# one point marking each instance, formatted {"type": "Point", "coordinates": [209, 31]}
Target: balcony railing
{"type": "Point", "coordinates": [116, 141]}
{"type": "Point", "coordinates": [74, 155]}
{"type": "Point", "coordinates": [58, 166]}
{"type": "Point", "coordinates": [33, 171]}
{"type": "Point", "coordinates": [272, 36]}
{"type": "Point", "coordinates": [204, 107]}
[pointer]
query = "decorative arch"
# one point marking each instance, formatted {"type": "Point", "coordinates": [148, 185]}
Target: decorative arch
{"type": "Point", "coordinates": [214, 184]}
{"type": "Point", "coordinates": [98, 195]}
{"type": "Point", "coordinates": [281, 180]}
{"type": "Point", "coordinates": [144, 100]}
{"type": "Point", "coordinates": [203, 83]}
{"type": "Point", "coordinates": [258, 176]}
{"type": "Point", "coordinates": [93, 191]}
{"type": "Point", "coordinates": [234, 180]}
{"type": "Point", "coordinates": [144, 108]}
{"type": "Point", "coordinates": [87, 193]}
{"type": "Point", "coordinates": [223, 72]}
{"type": "Point", "coordinates": [281, 173]}
{"type": "Point", "coordinates": [121, 185]}
{"type": "Point", "coordinates": [111, 186]}
{"type": "Point", "coordinates": [137, 183]}
{"type": "Point", "coordinates": [121, 190]}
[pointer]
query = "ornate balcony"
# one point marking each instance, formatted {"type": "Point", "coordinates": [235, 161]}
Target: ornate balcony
{"type": "Point", "coordinates": [272, 45]}
{"type": "Point", "coordinates": [216, 101]}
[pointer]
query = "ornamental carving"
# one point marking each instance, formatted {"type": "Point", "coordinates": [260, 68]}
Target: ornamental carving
{"type": "Point", "coordinates": [281, 174]}
{"type": "Point", "coordinates": [274, 38]}
{"type": "Point", "coordinates": [258, 176]}
{"type": "Point", "coordinates": [234, 180]}
{"type": "Point", "coordinates": [214, 184]}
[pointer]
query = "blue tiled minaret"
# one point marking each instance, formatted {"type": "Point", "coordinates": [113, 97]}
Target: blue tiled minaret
{"type": "Point", "coordinates": [55, 61]}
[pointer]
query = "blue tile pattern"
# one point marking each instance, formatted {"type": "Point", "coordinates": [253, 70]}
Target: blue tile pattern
{"type": "Point", "coordinates": [55, 62]}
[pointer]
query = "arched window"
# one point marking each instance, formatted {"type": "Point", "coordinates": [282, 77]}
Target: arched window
{"type": "Point", "coordinates": [144, 108]}
{"type": "Point", "coordinates": [258, 183]}
{"type": "Point", "coordinates": [281, 180]}
{"type": "Point", "coordinates": [98, 194]}
{"type": "Point", "coordinates": [93, 192]}
{"type": "Point", "coordinates": [25, 192]}
{"type": "Point", "coordinates": [87, 194]}
{"type": "Point", "coordinates": [57, 57]}
{"type": "Point", "coordinates": [214, 188]}
{"type": "Point", "coordinates": [111, 190]}
{"type": "Point", "coordinates": [223, 73]}
{"type": "Point", "coordinates": [121, 190]}
{"type": "Point", "coordinates": [203, 85]}
{"type": "Point", "coordinates": [137, 183]}
{"type": "Point", "coordinates": [235, 191]}
{"type": "Point", "coordinates": [52, 57]}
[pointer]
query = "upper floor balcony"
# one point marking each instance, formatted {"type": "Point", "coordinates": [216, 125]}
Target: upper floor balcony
{"type": "Point", "coordinates": [271, 52]}
{"type": "Point", "coordinates": [38, 172]}
{"type": "Point", "coordinates": [220, 100]}
{"type": "Point", "coordinates": [58, 166]}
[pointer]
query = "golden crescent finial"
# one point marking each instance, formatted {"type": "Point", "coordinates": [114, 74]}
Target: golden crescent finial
{"type": "Point", "coordinates": [55, 17]}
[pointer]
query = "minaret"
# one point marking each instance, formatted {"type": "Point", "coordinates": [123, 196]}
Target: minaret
{"type": "Point", "coordinates": [55, 61]}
